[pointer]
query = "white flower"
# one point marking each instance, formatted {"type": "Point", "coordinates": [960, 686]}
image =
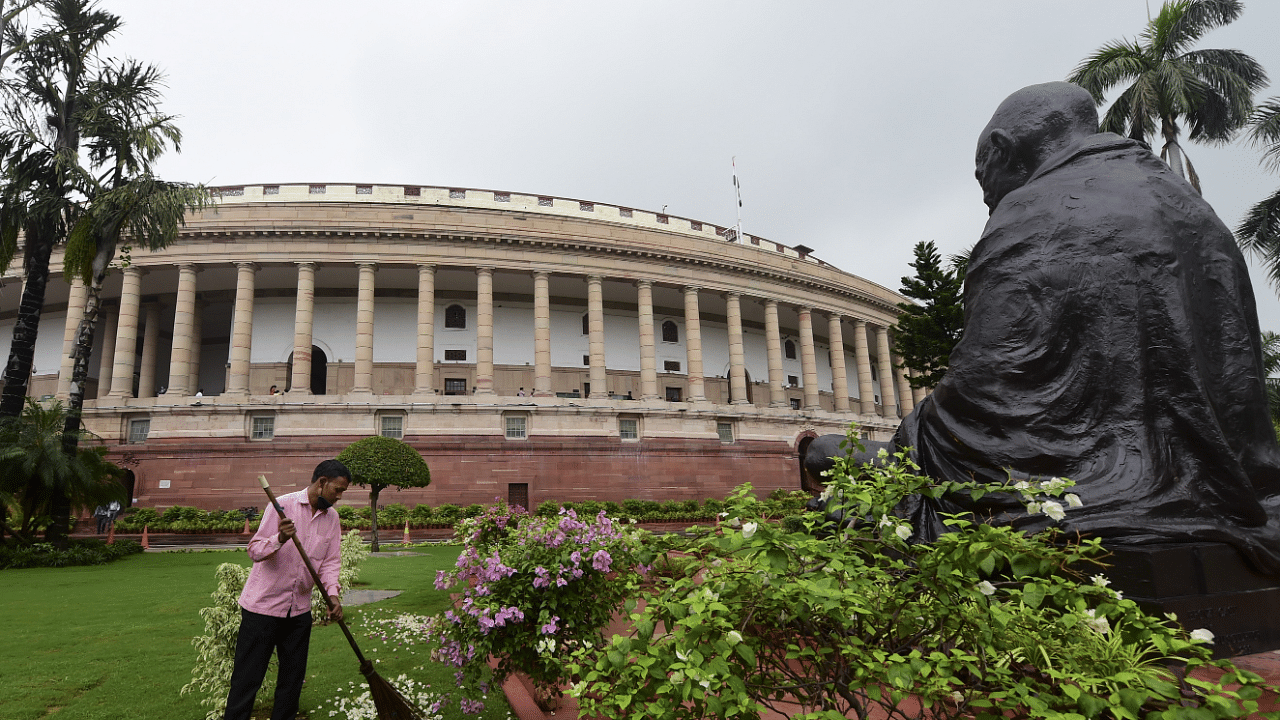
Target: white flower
{"type": "Point", "coordinates": [1172, 616]}
{"type": "Point", "coordinates": [903, 531]}
{"type": "Point", "coordinates": [681, 655]}
{"type": "Point", "coordinates": [1053, 509]}
{"type": "Point", "coordinates": [748, 529]}
{"type": "Point", "coordinates": [883, 453]}
{"type": "Point", "coordinates": [706, 684]}
{"type": "Point", "coordinates": [1053, 484]}
{"type": "Point", "coordinates": [1101, 580]}
{"type": "Point", "coordinates": [724, 514]}
{"type": "Point", "coordinates": [956, 697]}
{"type": "Point", "coordinates": [735, 637]}
{"type": "Point", "coordinates": [1033, 508]}
{"type": "Point", "coordinates": [986, 588]}
{"type": "Point", "coordinates": [1097, 624]}
{"type": "Point", "coordinates": [734, 522]}
{"type": "Point", "coordinates": [1073, 500]}
{"type": "Point", "coordinates": [826, 493]}
{"type": "Point", "coordinates": [885, 521]}
{"type": "Point", "coordinates": [1021, 485]}
{"type": "Point", "coordinates": [1202, 635]}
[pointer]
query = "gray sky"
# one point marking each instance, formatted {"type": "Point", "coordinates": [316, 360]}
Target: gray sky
{"type": "Point", "coordinates": [854, 123]}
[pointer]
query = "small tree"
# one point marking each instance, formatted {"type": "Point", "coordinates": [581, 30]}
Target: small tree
{"type": "Point", "coordinates": [926, 332]}
{"type": "Point", "coordinates": [379, 462]}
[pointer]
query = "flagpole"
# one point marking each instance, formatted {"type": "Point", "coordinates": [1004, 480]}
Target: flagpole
{"type": "Point", "coordinates": [738, 190]}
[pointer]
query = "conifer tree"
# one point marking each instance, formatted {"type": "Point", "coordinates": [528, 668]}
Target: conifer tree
{"type": "Point", "coordinates": [927, 331]}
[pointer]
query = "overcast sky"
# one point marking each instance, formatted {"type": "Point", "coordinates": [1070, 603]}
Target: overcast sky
{"type": "Point", "coordinates": [853, 123]}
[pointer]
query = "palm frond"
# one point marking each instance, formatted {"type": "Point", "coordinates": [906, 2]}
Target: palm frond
{"type": "Point", "coordinates": [1264, 132]}
{"type": "Point", "coordinates": [1259, 233]}
{"type": "Point", "coordinates": [1116, 62]}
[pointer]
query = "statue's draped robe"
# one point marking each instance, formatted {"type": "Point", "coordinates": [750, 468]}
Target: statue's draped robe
{"type": "Point", "coordinates": [1111, 338]}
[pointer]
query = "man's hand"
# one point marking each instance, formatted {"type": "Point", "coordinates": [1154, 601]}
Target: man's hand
{"type": "Point", "coordinates": [287, 530]}
{"type": "Point", "coordinates": [335, 608]}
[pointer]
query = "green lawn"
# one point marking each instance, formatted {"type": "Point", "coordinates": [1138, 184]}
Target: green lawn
{"type": "Point", "coordinates": [114, 641]}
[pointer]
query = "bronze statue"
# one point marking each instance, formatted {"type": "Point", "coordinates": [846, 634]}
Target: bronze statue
{"type": "Point", "coordinates": [1110, 337]}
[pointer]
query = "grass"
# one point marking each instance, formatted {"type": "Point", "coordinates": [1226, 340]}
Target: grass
{"type": "Point", "coordinates": [114, 641]}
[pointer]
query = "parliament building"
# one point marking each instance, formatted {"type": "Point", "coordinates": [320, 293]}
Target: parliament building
{"type": "Point", "coordinates": [530, 347]}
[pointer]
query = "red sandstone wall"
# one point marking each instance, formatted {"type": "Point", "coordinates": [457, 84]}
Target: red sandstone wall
{"type": "Point", "coordinates": [222, 474]}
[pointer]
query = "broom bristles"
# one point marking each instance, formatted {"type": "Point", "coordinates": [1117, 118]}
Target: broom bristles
{"type": "Point", "coordinates": [387, 700]}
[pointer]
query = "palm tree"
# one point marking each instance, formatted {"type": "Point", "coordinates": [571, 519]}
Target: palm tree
{"type": "Point", "coordinates": [125, 134]}
{"type": "Point", "coordinates": [33, 463]}
{"type": "Point", "coordinates": [43, 173]}
{"type": "Point", "coordinates": [1209, 90]}
{"type": "Point", "coordinates": [1259, 232]}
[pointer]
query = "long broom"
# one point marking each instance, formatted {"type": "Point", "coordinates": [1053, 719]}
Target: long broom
{"type": "Point", "coordinates": [388, 701]}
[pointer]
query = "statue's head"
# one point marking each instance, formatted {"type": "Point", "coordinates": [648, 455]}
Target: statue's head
{"type": "Point", "coordinates": [1029, 126]}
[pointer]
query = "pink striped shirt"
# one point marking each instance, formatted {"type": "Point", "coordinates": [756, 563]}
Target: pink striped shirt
{"type": "Point", "coordinates": [279, 584]}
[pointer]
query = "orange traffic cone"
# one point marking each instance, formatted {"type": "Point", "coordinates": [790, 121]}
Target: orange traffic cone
{"type": "Point", "coordinates": [406, 533]}
{"type": "Point", "coordinates": [111, 534]}
{"type": "Point", "coordinates": [246, 527]}
{"type": "Point", "coordinates": [145, 543]}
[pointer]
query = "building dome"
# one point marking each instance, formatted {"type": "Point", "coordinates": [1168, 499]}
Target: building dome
{"type": "Point", "coordinates": [529, 347]}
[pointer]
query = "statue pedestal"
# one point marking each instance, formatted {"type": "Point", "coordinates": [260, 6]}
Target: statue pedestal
{"type": "Point", "coordinates": [1208, 585]}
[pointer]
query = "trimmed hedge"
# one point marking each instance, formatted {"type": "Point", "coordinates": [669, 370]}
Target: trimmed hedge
{"type": "Point", "coordinates": [180, 519]}
{"type": "Point", "coordinates": [79, 552]}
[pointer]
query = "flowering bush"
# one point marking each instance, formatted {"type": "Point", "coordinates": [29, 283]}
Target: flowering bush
{"type": "Point", "coordinates": [533, 589]}
{"type": "Point", "coordinates": [847, 618]}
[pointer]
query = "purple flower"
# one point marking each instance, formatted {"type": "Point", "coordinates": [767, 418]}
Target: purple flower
{"type": "Point", "coordinates": [601, 560]}
{"type": "Point", "coordinates": [551, 627]}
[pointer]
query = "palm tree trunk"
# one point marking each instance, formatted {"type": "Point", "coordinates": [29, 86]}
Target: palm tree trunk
{"type": "Point", "coordinates": [1172, 150]}
{"type": "Point", "coordinates": [17, 372]}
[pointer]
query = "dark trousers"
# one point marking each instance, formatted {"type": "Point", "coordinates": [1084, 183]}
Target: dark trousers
{"type": "Point", "coordinates": [259, 636]}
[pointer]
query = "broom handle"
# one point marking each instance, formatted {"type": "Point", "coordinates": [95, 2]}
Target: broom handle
{"type": "Point", "coordinates": [314, 575]}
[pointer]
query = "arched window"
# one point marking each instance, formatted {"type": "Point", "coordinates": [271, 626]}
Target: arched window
{"type": "Point", "coordinates": [586, 324]}
{"type": "Point", "coordinates": [670, 333]}
{"type": "Point", "coordinates": [455, 316]}
{"type": "Point", "coordinates": [789, 349]}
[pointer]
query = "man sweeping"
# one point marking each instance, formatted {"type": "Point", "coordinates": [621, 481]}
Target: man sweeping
{"type": "Point", "coordinates": [275, 607]}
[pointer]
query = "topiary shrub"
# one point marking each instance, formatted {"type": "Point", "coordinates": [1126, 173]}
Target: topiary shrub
{"type": "Point", "coordinates": [380, 462]}
{"type": "Point", "coordinates": [548, 509]}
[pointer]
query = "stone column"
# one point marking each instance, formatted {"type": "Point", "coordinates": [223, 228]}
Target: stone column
{"type": "Point", "coordinates": [773, 344]}
{"type": "Point", "coordinates": [648, 355]}
{"type": "Point", "coordinates": [866, 391]}
{"type": "Point", "coordinates": [918, 394]}
{"type": "Point", "coordinates": [106, 363]}
{"type": "Point", "coordinates": [737, 355]}
{"type": "Point", "coordinates": [242, 330]}
{"type": "Point", "coordinates": [303, 322]}
{"type": "Point", "coordinates": [904, 389]}
{"type": "Point", "coordinates": [150, 338]}
{"type": "Point", "coordinates": [75, 313]}
{"type": "Point", "coordinates": [424, 378]}
{"type": "Point", "coordinates": [595, 336]}
{"type": "Point", "coordinates": [693, 345]}
{"type": "Point", "coordinates": [808, 360]}
{"type": "Point", "coordinates": [542, 334]}
{"type": "Point", "coordinates": [184, 311]}
{"type": "Point", "coordinates": [364, 330]}
{"type": "Point", "coordinates": [888, 395]}
{"type": "Point", "coordinates": [127, 333]}
{"type": "Point", "coordinates": [484, 331]}
{"type": "Point", "coordinates": [197, 344]}
{"type": "Point", "coordinates": [839, 376]}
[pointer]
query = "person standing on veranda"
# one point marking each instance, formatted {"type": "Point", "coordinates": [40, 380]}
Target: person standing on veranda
{"type": "Point", "coordinates": [275, 606]}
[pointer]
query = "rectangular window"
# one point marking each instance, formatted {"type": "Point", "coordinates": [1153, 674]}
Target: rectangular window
{"type": "Point", "coordinates": [455, 386]}
{"type": "Point", "coordinates": [725, 431]}
{"type": "Point", "coordinates": [673, 394]}
{"type": "Point", "coordinates": [517, 427]}
{"type": "Point", "coordinates": [586, 359]}
{"type": "Point", "coordinates": [795, 403]}
{"type": "Point", "coordinates": [793, 380]}
{"type": "Point", "coordinates": [455, 355]}
{"type": "Point", "coordinates": [392, 426]}
{"type": "Point", "coordinates": [629, 428]}
{"type": "Point", "coordinates": [139, 429]}
{"type": "Point", "coordinates": [264, 427]}
{"type": "Point", "coordinates": [671, 366]}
